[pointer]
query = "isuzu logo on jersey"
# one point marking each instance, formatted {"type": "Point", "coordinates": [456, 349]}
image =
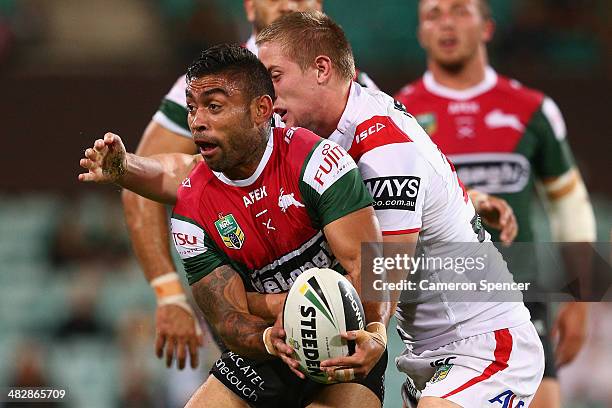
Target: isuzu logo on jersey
{"type": "Point", "coordinates": [377, 127]}
{"type": "Point", "coordinates": [493, 172]}
{"type": "Point", "coordinates": [231, 233]}
{"type": "Point", "coordinates": [396, 192]}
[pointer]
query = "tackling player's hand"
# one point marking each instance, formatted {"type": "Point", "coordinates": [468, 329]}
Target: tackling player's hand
{"type": "Point", "coordinates": [106, 161]}
{"type": "Point", "coordinates": [570, 328]}
{"type": "Point", "coordinates": [178, 331]}
{"type": "Point", "coordinates": [496, 213]}
{"type": "Point", "coordinates": [370, 344]}
{"type": "Point", "coordinates": [274, 340]}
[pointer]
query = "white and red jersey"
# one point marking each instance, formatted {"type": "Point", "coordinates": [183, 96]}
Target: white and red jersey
{"type": "Point", "coordinates": [415, 189]}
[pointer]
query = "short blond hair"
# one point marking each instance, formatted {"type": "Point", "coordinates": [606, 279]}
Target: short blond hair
{"type": "Point", "coordinates": [304, 36]}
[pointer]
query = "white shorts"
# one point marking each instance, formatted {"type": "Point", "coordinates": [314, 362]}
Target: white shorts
{"type": "Point", "coordinates": [500, 369]}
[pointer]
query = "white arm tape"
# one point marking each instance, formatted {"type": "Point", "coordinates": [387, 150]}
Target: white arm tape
{"type": "Point", "coordinates": [571, 215]}
{"type": "Point", "coordinates": [176, 297]}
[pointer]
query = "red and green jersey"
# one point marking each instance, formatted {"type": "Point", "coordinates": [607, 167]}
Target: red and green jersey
{"type": "Point", "coordinates": [500, 135]}
{"type": "Point", "coordinates": [269, 226]}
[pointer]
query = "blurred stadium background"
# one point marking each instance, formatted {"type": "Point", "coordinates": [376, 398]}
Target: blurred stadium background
{"type": "Point", "coordinates": [75, 312]}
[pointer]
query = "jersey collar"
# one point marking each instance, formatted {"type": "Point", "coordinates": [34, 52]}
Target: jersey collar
{"type": "Point", "coordinates": [351, 111]}
{"type": "Point", "coordinates": [260, 167]}
{"type": "Point", "coordinates": [251, 45]}
{"type": "Point", "coordinates": [490, 80]}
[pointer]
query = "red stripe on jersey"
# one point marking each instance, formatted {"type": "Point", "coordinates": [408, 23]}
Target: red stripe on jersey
{"type": "Point", "coordinates": [401, 232]}
{"type": "Point", "coordinates": [503, 348]}
{"type": "Point", "coordinates": [375, 132]}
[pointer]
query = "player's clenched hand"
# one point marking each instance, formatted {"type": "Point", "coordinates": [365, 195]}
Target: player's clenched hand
{"type": "Point", "coordinates": [496, 213]}
{"type": "Point", "coordinates": [106, 161]}
{"type": "Point", "coordinates": [178, 331]}
{"type": "Point", "coordinates": [274, 340]}
{"type": "Point", "coordinates": [370, 344]}
{"type": "Point", "coordinates": [570, 328]}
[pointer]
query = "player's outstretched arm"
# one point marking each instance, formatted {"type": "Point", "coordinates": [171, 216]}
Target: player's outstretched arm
{"type": "Point", "coordinates": [156, 178]}
{"type": "Point", "coordinates": [222, 298]}
{"type": "Point", "coordinates": [177, 328]}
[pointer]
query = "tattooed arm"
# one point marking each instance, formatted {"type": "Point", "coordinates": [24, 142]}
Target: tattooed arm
{"type": "Point", "coordinates": [222, 298]}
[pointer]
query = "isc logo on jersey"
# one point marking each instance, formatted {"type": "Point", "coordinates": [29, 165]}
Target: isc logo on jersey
{"type": "Point", "coordinates": [377, 127]}
{"type": "Point", "coordinates": [188, 238]}
{"type": "Point", "coordinates": [320, 305]}
{"type": "Point", "coordinates": [327, 164]}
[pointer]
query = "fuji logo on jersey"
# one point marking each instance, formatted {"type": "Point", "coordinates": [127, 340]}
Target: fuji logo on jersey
{"type": "Point", "coordinates": [463, 108]}
{"type": "Point", "coordinates": [332, 159]}
{"type": "Point", "coordinates": [186, 183]}
{"type": "Point", "coordinates": [377, 127]}
{"type": "Point", "coordinates": [254, 196]}
{"type": "Point", "coordinates": [287, 200]}
{"type": "Point", "coordinates": [498, 119]}
{"type": "Point", "coordinates": [231, 233]}
{"type": "Point", "coordinates": [506, 400]}
{"type": "Point", "coordinates": [396, 192]}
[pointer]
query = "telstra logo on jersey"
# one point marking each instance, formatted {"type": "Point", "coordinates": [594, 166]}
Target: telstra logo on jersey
{"type": "Point", "coordinates": [287, 200]}
{"type": "Point", "coordinates": [506, 400]}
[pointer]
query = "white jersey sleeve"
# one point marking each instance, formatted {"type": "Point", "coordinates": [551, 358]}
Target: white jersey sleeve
{"type": "Point", "coordinates": [397, 183]}
{"type": "Point", "coordinates": [172, 113]}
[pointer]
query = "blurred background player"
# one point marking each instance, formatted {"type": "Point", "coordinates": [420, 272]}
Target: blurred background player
{"type": "Point", "coordinates": [147, 222]}
{"type": "Point", "coordinates": [502, 138]}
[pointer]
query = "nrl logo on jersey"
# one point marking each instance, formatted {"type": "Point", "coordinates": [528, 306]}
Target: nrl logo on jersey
{"type": "Point", "coordinates": [428, 122]}
{"type": "Point", "coordinates": [231, 233]}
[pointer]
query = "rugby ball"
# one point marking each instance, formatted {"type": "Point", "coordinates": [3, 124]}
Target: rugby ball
{"type": "Point", "coordinates": [320, 305]}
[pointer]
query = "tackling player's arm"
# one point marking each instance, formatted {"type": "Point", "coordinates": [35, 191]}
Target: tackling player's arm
{"type": "Point", "coordinates": [147, 222]}
{"type": "Point", "coordinates": [222, 298]}
{"type": "Point", "coordinates": [496, 213]}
